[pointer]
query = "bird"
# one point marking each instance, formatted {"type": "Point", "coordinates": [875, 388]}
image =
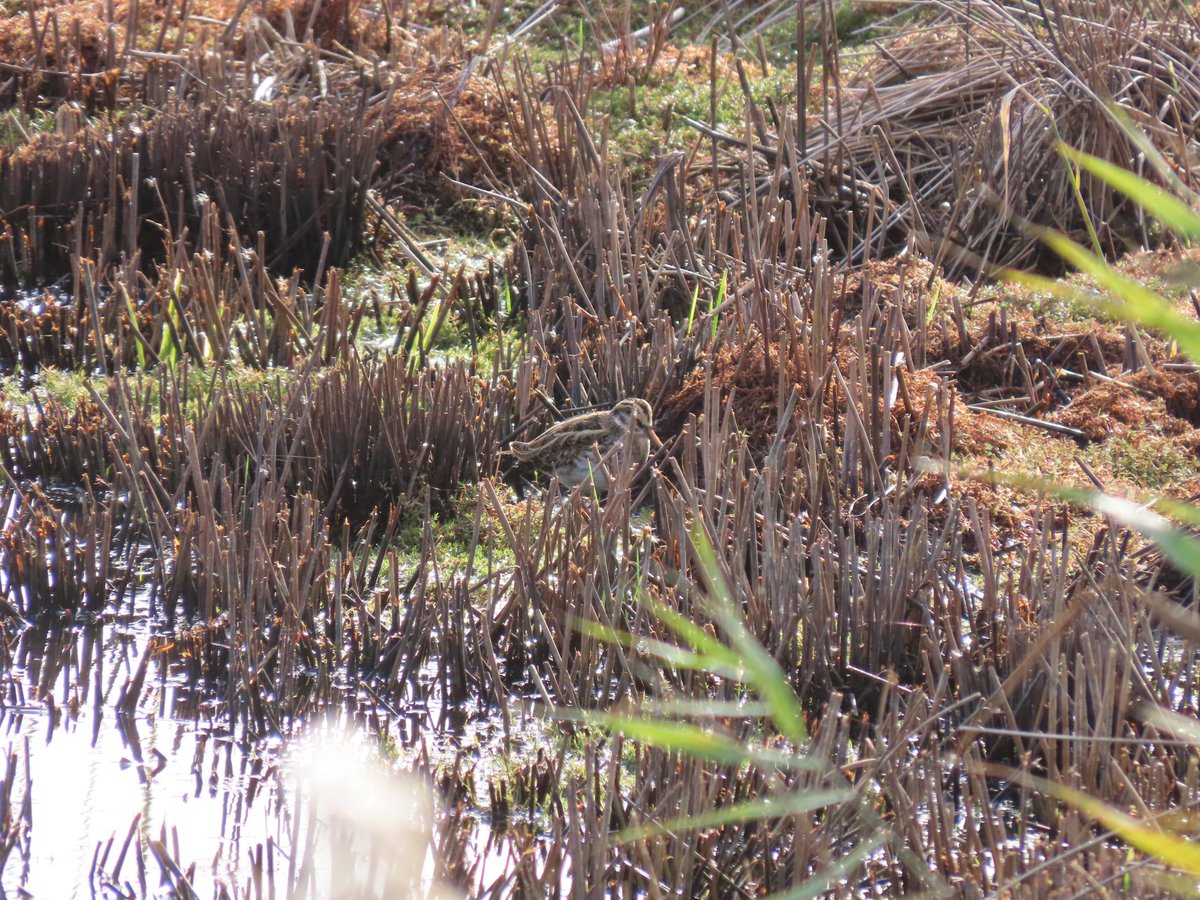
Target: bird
{"type": "Point", "coordinates": [585, 449]}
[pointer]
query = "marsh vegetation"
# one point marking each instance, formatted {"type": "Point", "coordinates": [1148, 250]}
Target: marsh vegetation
{"type": "Point", "coordinates": [283, 279]}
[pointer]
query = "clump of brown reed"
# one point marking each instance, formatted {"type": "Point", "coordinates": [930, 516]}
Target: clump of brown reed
{"type": "Point", "coordinates": [51, 443]}
{"type": "Point", "coordinates": [58, 570]}
{"type": "Point", "coordinates": [958, 121]}
{"type": "Point", "coordinates": [259, 573]}
{"type": "Point", "coordinates": [290, 177]}
{"type": "Point", "coordinates": [626, 288]}
{"type": "Point", "coordinates": [63, 53]}
{"type": "Point", "coordinates": [208, 300]}
{"type": "Point", "coordinates": [749, 377]}
{"type": "Point", "coordinates": [99, 56]}
{"type": "Point", "coordinates": [437, 123]}
{"type": "Point", "coordinates": [359, 437]}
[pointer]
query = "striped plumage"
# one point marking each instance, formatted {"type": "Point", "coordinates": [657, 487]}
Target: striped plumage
{"type": "Point", "coordinates": [590, 447]}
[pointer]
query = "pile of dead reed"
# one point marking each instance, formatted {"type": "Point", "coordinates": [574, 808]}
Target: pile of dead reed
{"type": "Point", "coordinates": [281, 124]}
{"type": "Point", "coordinates": [121, 53]}
{"type": "Point", "coordinates": [955, 129]}
{"type": "Point", "coordinates": [209, 300]}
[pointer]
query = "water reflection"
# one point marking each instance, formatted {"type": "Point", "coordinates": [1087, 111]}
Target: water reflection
{"type": "Point", "coordinates": [92, 775]}
{"type": "Point", "coordinates": [109, 752]}
{"type": "Point", "coordinates": [125, 779]}
{"type": "Point", "coordinates": [125, 776]}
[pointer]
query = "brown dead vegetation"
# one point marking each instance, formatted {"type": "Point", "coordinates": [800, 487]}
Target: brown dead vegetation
{"type": "Point", "coordinates": [83, 38]}
{"type": "Point", "coordinates": [291, 533]}
{"type": "Point", "coordinates": [950, 136]}
{"type": "Point", "coordinates": [293, 175]}
{"type": "Point", "coordinates": [1168, 400]}
{"type": "Point", "coordinates": [443, 127]}
{"type": "Point", "coordinates": [285, 125]}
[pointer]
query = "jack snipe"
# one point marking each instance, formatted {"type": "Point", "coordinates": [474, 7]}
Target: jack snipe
{"type": "Point", "coordinates": [590, 447]}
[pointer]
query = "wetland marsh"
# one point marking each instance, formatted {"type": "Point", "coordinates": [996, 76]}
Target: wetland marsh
{"type": "Point", "coordinates": [283, 615]}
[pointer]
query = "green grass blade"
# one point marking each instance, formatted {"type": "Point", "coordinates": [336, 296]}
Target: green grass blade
{"type": "Point", "coordinates": [1181, 548]}
{"type": "Point", "coordinates": [693, 740]}
{"type": "Point", "coordinates": [747, 811]}
{"type": "Point", "coordinates": [1129, 300]}
{"type": "Point", "coordinates": [1164, 206]}
{"type": "Point", "coordinates": [666, 735]}
{"type": "Point", "coordinates": [692, 311]}
{"type": "Point", "coordinates": [1184, 727]}
{"type": "Point", "coordinates": [692, 634]}
{"type": "Point", "coordinates": [138, 340]}
{"type": "Point", "coordinates": [763, 672]}
{"type": "Point", "coordinates": [671, 654]}
{"type": "Point", "coordinates": [823, 883]}
{"type": "Point", "coordinates": [1073, 173]}
{"type": "Point", "coordinates": [716, 303]}
{"type": "Point", "coordinates": [705, 708]}
{"type": "Point", "coordinates": [1186, 513]}
{"type": "Point", "coordinates": [1154, 156]}
{"type": "Point", "coordinates": [1171, 849]}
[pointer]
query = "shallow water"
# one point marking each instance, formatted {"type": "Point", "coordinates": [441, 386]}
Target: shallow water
{"type": "Point", "coordinates": [93, 777]}
{"type": "Point", "coordinates": [92, 788]}
{"type": "Point", "coordinates": [84, 777]}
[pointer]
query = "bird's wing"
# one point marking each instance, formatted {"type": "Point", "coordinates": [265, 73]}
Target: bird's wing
{"type": "Point", "coordinates": [579, 431]}
{"type": "Point", "coordinates": [520, 449]}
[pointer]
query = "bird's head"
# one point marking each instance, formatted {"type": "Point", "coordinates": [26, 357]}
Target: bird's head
{"type": "Point", "coordinates": [634, 414]}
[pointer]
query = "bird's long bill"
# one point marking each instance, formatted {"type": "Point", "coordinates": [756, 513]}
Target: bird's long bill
{"type": "Point", "coordinates": [655, 440]}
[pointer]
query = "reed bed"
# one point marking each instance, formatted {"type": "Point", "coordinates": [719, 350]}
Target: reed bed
{"type": "Point", "coordinates": [294, 172]}
{"type": "Point", "coordinates": [121, 53]}
{"type": "Point", "coordinates": [337, 535]}
{"type": "Point", "coordinates": [287, 137]}
{"type": "Point", "coordinates": [952, 131]}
